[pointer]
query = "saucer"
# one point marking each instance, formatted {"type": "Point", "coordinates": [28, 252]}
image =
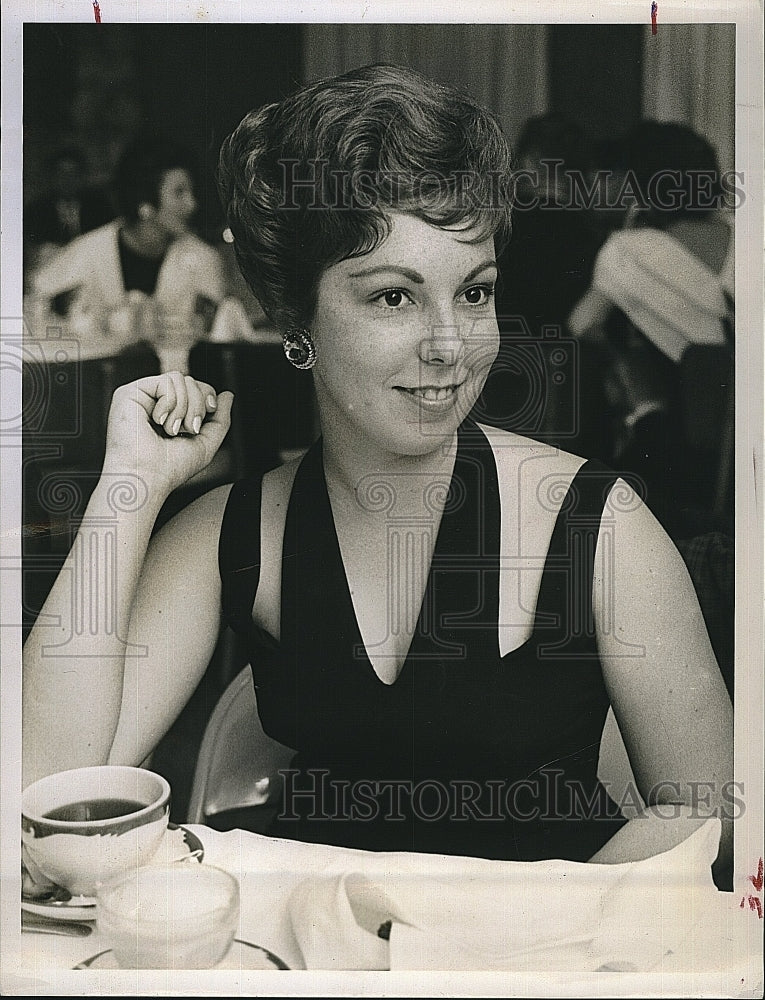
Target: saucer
{"type": "Point", "coordinates": [178, 844]}
{"type": "Point", "coordinates": [241, 955]}
{"type": "Point", "coordinates": [77, 908]}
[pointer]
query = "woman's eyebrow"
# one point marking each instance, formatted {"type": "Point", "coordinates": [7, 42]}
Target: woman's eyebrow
{"type": "Point", "coordinates": [478, 268]}
{"type": "Point", "coordinates": [407, 272]}
{"type": "Point", "coordinates": [413, 275]}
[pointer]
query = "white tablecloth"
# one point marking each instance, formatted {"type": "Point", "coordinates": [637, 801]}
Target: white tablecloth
{"type": "Point", "coordinates": [719, 956]}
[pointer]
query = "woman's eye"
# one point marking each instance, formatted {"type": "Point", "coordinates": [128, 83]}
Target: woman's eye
{"type": "Point", "coordinates": [392, 298]}
{"type": "Point", "coordinates": [478, 295]}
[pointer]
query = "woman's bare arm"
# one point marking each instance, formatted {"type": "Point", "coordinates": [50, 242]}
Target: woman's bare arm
{"type": "Point", "coordinates": [666, 689]}
{"type": "Point", "coordinates": [102, 647]}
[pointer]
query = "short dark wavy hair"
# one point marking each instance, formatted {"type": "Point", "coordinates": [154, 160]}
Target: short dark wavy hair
{"type": "Point", "coordinates": [310, 181]}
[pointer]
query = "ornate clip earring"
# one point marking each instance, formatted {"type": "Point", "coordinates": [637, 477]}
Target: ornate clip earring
{"type": "Point", "coordinates": [299, 348]}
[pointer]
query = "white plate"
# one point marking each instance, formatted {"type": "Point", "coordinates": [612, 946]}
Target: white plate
{"type": "Point", "coordinates": [178, 844]}
{"type": "Point", "coordinates": [241, 955]}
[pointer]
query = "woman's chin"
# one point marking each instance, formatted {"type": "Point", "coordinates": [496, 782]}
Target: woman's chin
{"type": "Point", "coordinates": [423, 438]}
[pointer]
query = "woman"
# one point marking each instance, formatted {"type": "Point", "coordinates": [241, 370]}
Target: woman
{"type": "Point", "coordinates": [388, 582]}
{"type": "Point", "coordinates": [148, 254]}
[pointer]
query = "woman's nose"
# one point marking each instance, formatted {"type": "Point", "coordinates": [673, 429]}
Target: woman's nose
{"type": "Point", "coordinates": [443, 344]}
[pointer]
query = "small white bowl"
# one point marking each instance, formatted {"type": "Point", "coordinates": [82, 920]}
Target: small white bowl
{"type": "Point", "coordinates": [169, 917]}
{"type": "Point", "coordinates": [82, 854]}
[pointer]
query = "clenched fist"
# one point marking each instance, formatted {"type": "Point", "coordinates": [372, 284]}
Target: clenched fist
{"type": "Point", "coordinates": [165, 428]}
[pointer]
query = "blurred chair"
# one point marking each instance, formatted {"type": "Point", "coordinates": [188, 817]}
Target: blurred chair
{"type": "Point", "coordinates": [273, 402]}
{"type": "Point", "coordinates": [237, 767]}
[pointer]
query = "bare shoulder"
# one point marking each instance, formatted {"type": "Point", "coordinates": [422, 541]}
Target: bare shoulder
{"type": "Point", "coordinates": [192, 535]}
{"type": "Point", "coordinates": [638, 538]}
{"type": "Point", "coordinates": [540, 472]}
{"type": "Point", "coordinates": [641, 579]}
{"type": "Point", "coordinates": [202, 512]}
{"type": "Point", "coordinates": [199, 524]}
{"type": "Point", "coordinates": [517, 455]}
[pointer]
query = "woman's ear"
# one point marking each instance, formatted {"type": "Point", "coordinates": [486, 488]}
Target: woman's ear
{"type": "Point", "coordinates": [146, 211]}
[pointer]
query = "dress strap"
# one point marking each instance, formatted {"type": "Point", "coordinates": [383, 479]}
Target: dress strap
{"type": "Point", "coordinates": [239, 553]}
{"type": "Point", "coordinates": [564, 607]}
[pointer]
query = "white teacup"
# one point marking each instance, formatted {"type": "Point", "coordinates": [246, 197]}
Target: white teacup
{"type": "Point", "coordinates": [88, 825]}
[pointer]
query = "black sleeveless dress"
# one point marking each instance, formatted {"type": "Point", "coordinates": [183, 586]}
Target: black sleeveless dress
{"type": "Point", "coordinates": [467, 752]}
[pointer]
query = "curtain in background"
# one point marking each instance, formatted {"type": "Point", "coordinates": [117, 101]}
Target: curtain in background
{"type": "Point", "coordinates": [503, 66]}
{"type": "Point", "coordinates": [689, 75]}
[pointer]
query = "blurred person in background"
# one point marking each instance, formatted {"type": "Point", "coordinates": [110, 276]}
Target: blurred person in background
{"type": "Point", "coordinates": [544, 271]}
{"type": "Point", "coordinates": [661, 285]}
{"type": "Point", "coordinates": [146, 270]}
{"type": "Point", "coordinates": [547, 265]}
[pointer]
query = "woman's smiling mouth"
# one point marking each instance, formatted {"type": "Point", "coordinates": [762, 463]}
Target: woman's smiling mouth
{"type": "Point", "coordinates": [430, 393]}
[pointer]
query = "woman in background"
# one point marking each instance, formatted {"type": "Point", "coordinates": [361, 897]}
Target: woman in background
{"type": "Point", "coordinates": [433, 607]}
{"type": "Point", "coordinates": [148, 254]}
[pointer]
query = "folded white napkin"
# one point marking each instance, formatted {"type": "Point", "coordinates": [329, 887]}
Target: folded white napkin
{"type": "Point", "coordinates": [667, 292]}
{"type": "Point", "coordinates": [551, 915]}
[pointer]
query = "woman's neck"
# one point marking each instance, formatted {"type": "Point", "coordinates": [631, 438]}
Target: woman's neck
{"type": "Point", "coordinates": [367, 483]}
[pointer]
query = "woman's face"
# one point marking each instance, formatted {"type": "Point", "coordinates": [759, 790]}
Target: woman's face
{"type": "Point", "coordinates": [175, 201]}
{"type": "Point", "coordinates": [405, 337]}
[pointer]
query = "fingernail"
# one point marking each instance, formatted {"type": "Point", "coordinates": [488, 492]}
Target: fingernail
{"type": "Point", "coordinates": [212, 402]}
{"type": "Point", "coordinates": [162, 419]}
{"type": "Point", "coordinates": [176, 426]}
{"type": "Point", "coordinates": [196, 424]}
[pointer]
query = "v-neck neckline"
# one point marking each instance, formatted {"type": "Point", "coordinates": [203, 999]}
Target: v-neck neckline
{"type": "Point", "coordinates": [457, 621]}
{"type": "Point", "coordinates": [441, 534]}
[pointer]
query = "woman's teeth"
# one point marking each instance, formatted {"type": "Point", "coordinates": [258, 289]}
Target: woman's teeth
{"type": "Point", "coordinates": [432, 394]}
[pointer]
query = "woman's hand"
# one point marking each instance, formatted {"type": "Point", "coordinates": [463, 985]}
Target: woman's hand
{"type": "Point", "coordinates": [165, 428]}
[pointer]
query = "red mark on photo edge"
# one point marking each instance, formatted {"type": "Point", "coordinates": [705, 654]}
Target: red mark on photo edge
{"type": "Point", "coordinates": [96, 11]}
{"type": "Point", "coordinates": [654, 14]}
{"type": "Point", "coordinates": [757, 879]}
{"type": "Point", "coordinates": [755, 904]}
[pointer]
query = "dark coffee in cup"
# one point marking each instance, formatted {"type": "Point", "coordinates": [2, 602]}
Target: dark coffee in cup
{"type": "Point", "coordinates": [86, 826]}
{"type": "Point", "coordinates": [93, 809]}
